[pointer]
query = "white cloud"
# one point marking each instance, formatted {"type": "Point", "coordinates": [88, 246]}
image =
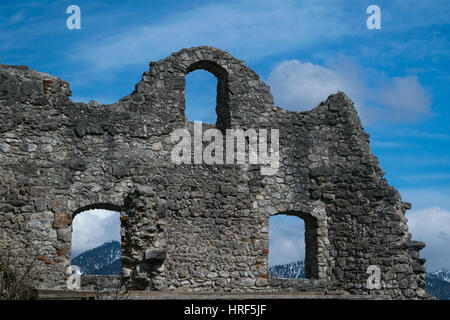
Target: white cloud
{"type": "Point", "coordinates": [92, 228]}
{"type": "Point", "coordinates": [402, 99]}
{"type": "Point", "coordinates": [405, 93]}
{"type": "Point", "coordinates": [301, 86]}
{"type": "Point", "coordinates": [432, 225]}
{"type": "Point", "coordinates": [286, 239]}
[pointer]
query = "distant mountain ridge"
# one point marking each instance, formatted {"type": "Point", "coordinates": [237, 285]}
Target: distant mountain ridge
{"type": "Point", "coordinates": [292, 270]}
{"type": "Point", "coordinates": [102, 260]}
{"type": "Point", "coordinates": [105, 260]}
{"type": "Point", "coordinates": [437, 283]}
{"type": "Point", "coordinates": [443, 274]}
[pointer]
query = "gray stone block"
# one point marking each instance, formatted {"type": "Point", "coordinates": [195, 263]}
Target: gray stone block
{"type": "Point", "coordinates": [155, 254]}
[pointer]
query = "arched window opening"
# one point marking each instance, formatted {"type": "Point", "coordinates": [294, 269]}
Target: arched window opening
{"type": "Point", "coordinates": [96, 242]}
{"type": "Point", "coordinates": [292, 246]}
{"type": "Point", "coordinates": [206, 99]}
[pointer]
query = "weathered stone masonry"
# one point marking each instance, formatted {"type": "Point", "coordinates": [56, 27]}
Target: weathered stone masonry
{"type": "Point", "coordinates": [198, 227]}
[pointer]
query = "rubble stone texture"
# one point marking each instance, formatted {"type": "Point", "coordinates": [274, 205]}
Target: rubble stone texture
{"type": "Point", "coordinates": [198, 227]}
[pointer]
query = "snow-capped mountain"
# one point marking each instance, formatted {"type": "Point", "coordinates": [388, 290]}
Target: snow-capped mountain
{"type": "Point", "coordinates": [438, 283]}
{"type": "Point", "coordinates": [104, 259]}
{"type": "Point", "coordinates": [293, 270]}
{"type": "Point", "coordinates": [443, 274]}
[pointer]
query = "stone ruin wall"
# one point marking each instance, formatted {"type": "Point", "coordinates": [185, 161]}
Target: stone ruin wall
{"type": "Point", "coordinates": [198, 227]}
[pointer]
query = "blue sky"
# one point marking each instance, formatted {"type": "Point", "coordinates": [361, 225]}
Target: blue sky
{"type": "Point", "coordinates": [398, 76]}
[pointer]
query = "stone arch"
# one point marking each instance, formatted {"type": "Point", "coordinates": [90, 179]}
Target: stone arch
{"type": "Point", "coordinates": [311, 242]}
{"type": "Point", "coordinates": [242, 95]}
{"type": "Point", "coordinates": [316, 239]}
{"type": "Point", "coordinates": [100, 205]}
{"type": "Point", "coordinates": [105, 206]}
{"type": "Point", "coordinates": [280, 197]}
